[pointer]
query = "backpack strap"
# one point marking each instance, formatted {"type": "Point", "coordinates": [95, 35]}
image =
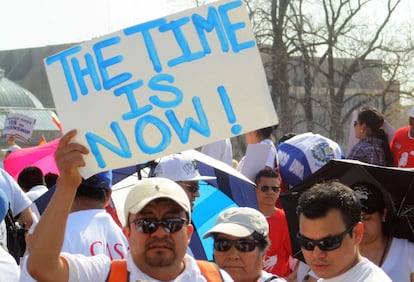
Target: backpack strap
{"type": "Point", "coordinates": [118, 271]}
{"type": "Point", "coordinates": [9, 220]}
{"type": "Point", "coordinates": [210, 270]}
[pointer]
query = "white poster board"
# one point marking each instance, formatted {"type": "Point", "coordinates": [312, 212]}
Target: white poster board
{"type": "Point", "coordinates": [20, 126]}
{"type": "Point", "coordinates": [255, 159]}
{"type": "Point", "coordinates": [162, 87]}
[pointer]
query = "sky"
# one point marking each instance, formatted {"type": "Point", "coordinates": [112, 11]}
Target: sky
{"type": "Point", "coordinates": [35, 23]}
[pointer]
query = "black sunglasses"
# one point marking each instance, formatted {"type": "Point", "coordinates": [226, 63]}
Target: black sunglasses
{"type": "Point", "coordinates": [265, 188]}
{"type": "Point", "coordinates": [329, 243]}
{"type": "Point", "coordinates": [170, 225]}
{"type": "Point", "coordinates": [192, 188]}
{"type": "Point", "coordinates": [242, 245]}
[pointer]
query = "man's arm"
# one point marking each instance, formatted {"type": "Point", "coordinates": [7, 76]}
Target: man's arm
{"type": "Point", "coordinates": [26, 218]}
{"type": "Point", "coordinates": [44, 261]}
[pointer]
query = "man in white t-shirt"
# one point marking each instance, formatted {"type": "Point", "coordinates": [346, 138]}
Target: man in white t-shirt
{"type": "Point", "coordinates": [19, 204]}
{"type": "Point", "coordinates": [32, 181]}
{"type": "Point", "coordinates": [158, 216]}
{"type": "Point", "coordinates": [90, 230]}
{"type": "Point", "coordinates": [330, 231]}
{"type": "Point", "coordinates": [9, 270]}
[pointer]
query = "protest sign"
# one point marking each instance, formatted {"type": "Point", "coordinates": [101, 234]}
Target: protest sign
{"type": "Point", "coordinates": [162, 86]}
{"type": "Point", "coordinates": [20, 126]}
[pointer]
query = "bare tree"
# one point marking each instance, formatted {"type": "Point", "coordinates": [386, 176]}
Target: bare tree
{"type": "Point", "coordinates": [269, 25]}
{"type": "Point", "coordinates": [331, 50]}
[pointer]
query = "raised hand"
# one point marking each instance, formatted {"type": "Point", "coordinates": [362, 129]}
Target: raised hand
{"type": "Point", "coordinates": [69, 157]}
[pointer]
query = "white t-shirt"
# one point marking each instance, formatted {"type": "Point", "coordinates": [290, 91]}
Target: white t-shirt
{"type": "Point", "coordinates": [272, 157]}
{"type": "Point", "coordinates": [33, 195]}
{"type": "Point", "coordinates": [92, 232]}
{"type": "Point", "coordinates": [363, 271]}
{"type": "Point", "coordinates": [399, 263]}
{"type": "Point", "coordinates": [36, 191]}
{"type": "Point", "coordinates": [96, 268]}
{"type": "Point", "coordinates": [9, 271]}
{"type": "Point", "coordinates": [220, 150]}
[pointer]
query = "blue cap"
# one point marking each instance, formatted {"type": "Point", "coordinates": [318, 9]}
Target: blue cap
{"type": "Point", "coordinates": [99, 180]}
{"type": "Point", "coordinates": [4, 204]}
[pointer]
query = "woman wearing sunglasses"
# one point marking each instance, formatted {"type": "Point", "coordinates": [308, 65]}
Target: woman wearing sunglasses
{"type": "Point", "coordinates": [241, 238]}
{"type": "Point", "coordinates": [393, 255]}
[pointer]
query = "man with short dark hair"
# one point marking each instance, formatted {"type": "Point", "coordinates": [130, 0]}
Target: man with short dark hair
{"type": "Point", "coordinates": [30, 177]}
{"type": "Point", "coordinates": [279, 253]}
{"type": "Point", "coordinates": [330, 231]}
{"type": "Point", "coordinates": [32, 181]}
{"type": "Point", "coordinates": [91, 229]}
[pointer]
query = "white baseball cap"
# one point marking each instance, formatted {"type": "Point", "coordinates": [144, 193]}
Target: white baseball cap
{"type": "Point", "coordinates": [412, 112]}
{"type": "Point", "coordinates": [149, 189]}
{"type": "Point", "coordinates": [178, 167]}
{"type": "Point", "coordinates": [240, 222]}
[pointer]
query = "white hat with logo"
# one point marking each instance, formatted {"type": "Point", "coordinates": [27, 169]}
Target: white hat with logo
{"type": "Point", "coordinates": [178, 167]}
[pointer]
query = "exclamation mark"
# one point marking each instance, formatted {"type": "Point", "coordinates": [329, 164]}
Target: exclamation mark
{"type": "Point", "coordinates": [236, 128]}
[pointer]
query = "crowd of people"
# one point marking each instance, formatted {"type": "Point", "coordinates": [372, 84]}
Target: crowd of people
{"type": "Point", "coordinates": [342, 230]}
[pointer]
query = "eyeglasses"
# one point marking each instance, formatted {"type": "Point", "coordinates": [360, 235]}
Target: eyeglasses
{"type": "Point", "coordinates": [356, 123]}
{"type": "Point", "coordinates": [265, 188]}
{"type": "Point", "coordinates": [192, 188]}
{"type": "Point", "coordinates": [326, 244]}
{"type": "Point", "coordinates": [149, 226]}
{"type": "Point", "coordinates": [242, 245]}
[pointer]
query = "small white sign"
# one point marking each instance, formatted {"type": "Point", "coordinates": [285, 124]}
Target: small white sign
{"type": "Point", "coordinates": [19, 125]}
